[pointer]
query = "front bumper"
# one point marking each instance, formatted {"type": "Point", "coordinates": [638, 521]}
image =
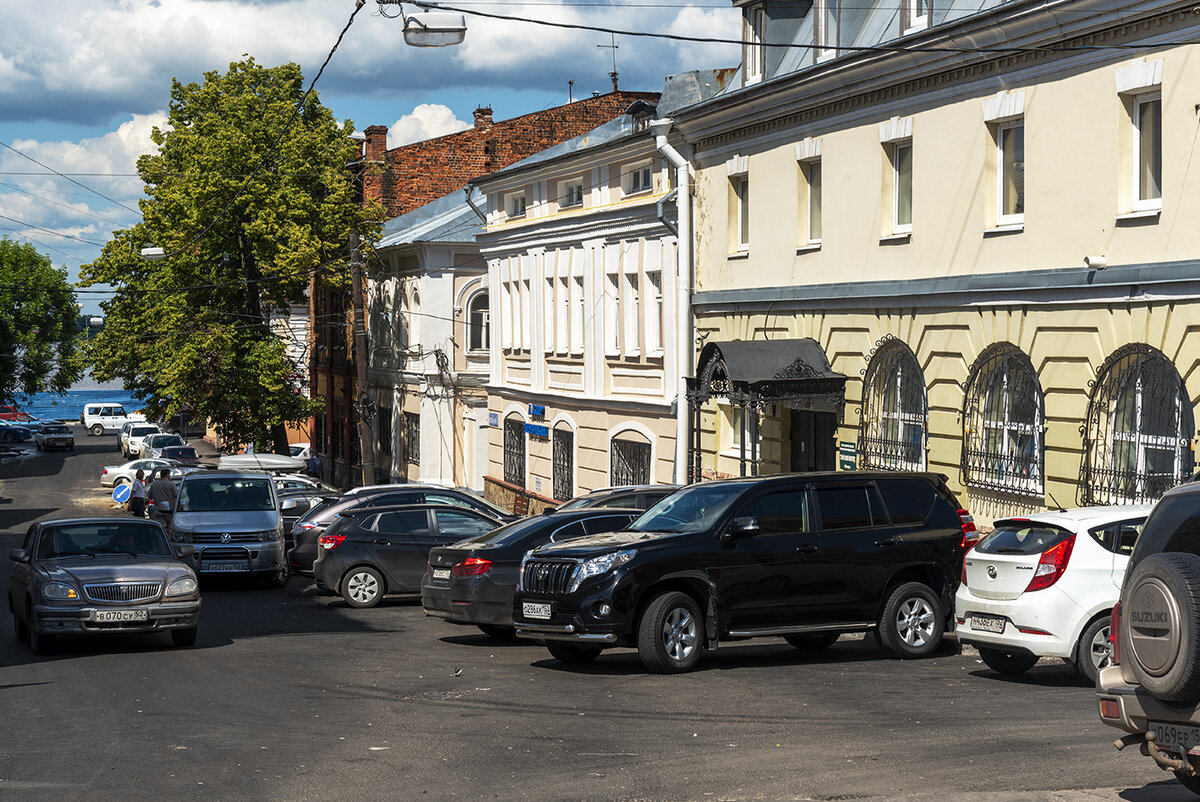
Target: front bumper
{"type": "Point", "coordinates": [1048, 611]}
{"type": "Point", "coordinates": [52, 620]}
{"type": "Point", "coordinates": [241, 558]}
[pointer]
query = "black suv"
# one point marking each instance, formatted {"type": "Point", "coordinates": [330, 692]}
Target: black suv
{"type": "Point", "coordinates": [1152, 689]}
{"type": "Point", "coordinates": [805, 556]}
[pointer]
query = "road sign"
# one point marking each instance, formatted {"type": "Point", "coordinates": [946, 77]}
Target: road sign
{"type": "Point", "coordinates": [121, 493]}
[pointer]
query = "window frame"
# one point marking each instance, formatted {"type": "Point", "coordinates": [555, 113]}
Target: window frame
{"type": "Point", "coordinates": [895, 149]}
{"type": "Point", "coordinates": [1140, 101]}
{"type": "Point", "coordinates": [412, 438]}
{"type": "Point", "coordinates": [513, 199]}
{"type": "Point", "coordinates": [635, 174]}
{"type": "Point", "coordinates": [825, 9]}
{"type": "Point", "coordinates": [474, 327]}
{"type": "Point", "coordinates": [741, 211]}
{"type": "Point", "coordinates": [1007, 469]}
{"type": "Point", "coordinates": [754, 52]}
{"type": "Point", "coordinates": [1003, 218]}
{"type": "Point", "coordinates": [567, 199]}
{"type": "Point", "coordinates": [916, 21]}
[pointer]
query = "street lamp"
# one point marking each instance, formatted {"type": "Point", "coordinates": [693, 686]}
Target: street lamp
{"type": "Point", "coordinates": [153, 254]}
{"type": "Point", "coordinates": [434, 29]}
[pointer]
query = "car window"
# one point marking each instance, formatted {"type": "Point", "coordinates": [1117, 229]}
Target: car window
{"type": "Point", "coordinates": [1128, 536]}
{"type": "Point", "coordinates": [387, 499]}
{"type": "Point", "coordinates": [692, 509]}
{"type": "Point", "coordinates": [606, 523]}
{"type": "Point", "coordinates": [571, 530]}
{"type": "Point", "coordinates": [845, 507]}
{"type": "Point", "coordinates": [29, 533]}
{"type": "Point", "coordinates": [461, 524]}
{"type": "Point", "coordinates": [1174, 525]}
{"type": "Point", "coordinates": [782, 510]}
{"type": "Point", "coordinates": [1016, 537]}
{"type": "Point", "coordinates": [442, 498]}
{"type": "Point", "coordinates": [620, 502]}
{"type": "Point", "coordinates": [402, 522]}
{"type": "Point", "coordinates": [1118, 537]}
{"type": "Point", "coordinates": [224, 493]}
{"type": "Point", "coordinates": [909, 501]}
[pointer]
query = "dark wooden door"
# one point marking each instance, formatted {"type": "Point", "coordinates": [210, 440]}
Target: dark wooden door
{"type": "Point", "coordinates": [812, 446]}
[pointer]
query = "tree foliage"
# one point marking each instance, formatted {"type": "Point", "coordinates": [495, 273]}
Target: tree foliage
{"type": "Point", "coordinates": [248, 209]}
{"type": "Point", "coordinates": [38, 324]}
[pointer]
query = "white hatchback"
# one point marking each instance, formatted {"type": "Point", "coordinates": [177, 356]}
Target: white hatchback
{"type": "Point", "coordinates": [1044, 585]}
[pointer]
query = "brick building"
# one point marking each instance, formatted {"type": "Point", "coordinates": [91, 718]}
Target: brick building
{"type": "Point", "coordinates": [406, 178]}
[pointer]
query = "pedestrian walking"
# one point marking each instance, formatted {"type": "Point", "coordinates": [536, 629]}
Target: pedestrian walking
{"type": "Point", "coordinates": [137, 496]}
{"type": "Point", "coordinates": [162, 490]}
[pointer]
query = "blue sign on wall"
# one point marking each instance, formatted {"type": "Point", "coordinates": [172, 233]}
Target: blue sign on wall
{"type": "Point", "coordinates": [493, 419]}
{"type": "Point", "coordinates": [537, 411]}
{"type": "Point", "coordinates": [536, 430]}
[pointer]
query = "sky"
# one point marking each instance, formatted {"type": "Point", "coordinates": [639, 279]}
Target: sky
{"type": "Point", "coordinates": [84, 82]}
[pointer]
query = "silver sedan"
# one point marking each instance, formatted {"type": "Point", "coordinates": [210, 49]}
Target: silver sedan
{"type": "Point", "coordinates": [114, 475]}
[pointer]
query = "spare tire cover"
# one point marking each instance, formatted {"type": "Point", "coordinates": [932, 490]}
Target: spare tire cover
{"type": "Point", "coordinates": [1160, 625]}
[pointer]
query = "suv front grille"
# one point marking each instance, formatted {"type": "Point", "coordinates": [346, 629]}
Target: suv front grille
{"type": "Point", "coordinates": [547, 577]}
{"type": "Point", "coordinates": [127, 592]}
{"type": "Point", "coordinates": [210, 554]}
{"type": "Point", "coordinates": [234, 537]}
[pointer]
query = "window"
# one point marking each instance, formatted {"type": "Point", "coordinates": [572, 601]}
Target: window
{"type": "Point", "coordinates": [562, 314]}
{"type": "Point", "coordinates": [827, 28]}
{"type": "Point", "coordinates": [1138, 429]}
{"type": "Point", "coordinates": [409, 522]}
{"type": "Point", "coordinates": [514, 450]}
{"type": "Point", "coordinates": [902, 187]}
{"type": "Point", "coordinates": [753, 52]}
{"type": "Point", "coordinates": [516, 204]}
{"type": "Point", "coordinates": [1147, 150]}
{"type": "Point", "coordinates": [741, 198]}
{"type": "Point", "coordinates": [892, 430]}
{"type": "Point", "coordinates": [564, 463]}
{"type": "Point", "coordinates": [917, 12]}
{"type": "Point", "coordinates": [479, 323]}
{"type": "Point", "coordinates": [461, 524]}
{"type": "Point", "coordinates": [639, 178]}
{"type": "Point", "coordinates": [780, 511]}
{"type": "Point", "coordinates": [811, 172]}
{"type": "Point", "coordinates": [630, 462]}
{"type": "Point", "coordinates": [412, 437]}
{"type": "Point", "coordinates": [654, 307]}
{"type": "Point", "coordinates": [578, 310]}
{"type": "Point", "coordinates": [570, 193]}
{"type": "Point", "coordinates": [612, 294]}
{"type": "Point", "coordinates": [548, 310]}
{"type": "Point", "coordinates": [909, 501]}
{"type": "Point", "coordinates": [1002, 419]}
{"type": "Point", "coordinates": [846, 507]}
{"type": "Point", "coordinates": [1010, 173]}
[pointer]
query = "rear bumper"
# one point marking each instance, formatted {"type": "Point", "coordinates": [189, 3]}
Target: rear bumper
{"type": "Point", "coordinates": [1046, 611]}
{"type": "Point", "coordinates": [1135, 707]}
{"type": "Point", "coordinates": [80, 620]}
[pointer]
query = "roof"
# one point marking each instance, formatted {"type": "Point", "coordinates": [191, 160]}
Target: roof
{"type": "Point", "coordinates": [447, 219]}
{"type": "Point", "coordinates": [754, 361]}
{"type": "Point", "coordinates": [1084, 517]}
{"type": "Point", "coordinates": [612, 131]}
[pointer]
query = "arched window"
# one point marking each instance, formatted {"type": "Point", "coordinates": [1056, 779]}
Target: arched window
{"type": "Point", "coordinates": [479, 323]}
{"type": "Point", "coordinates": [629, 459]}
{"type": "Point", "coordinates": [894, 410]}
{"type": "Point", "coordinates": [1002, 423]}
{"type": "Point", "coordinates": [564, 461]}
{"type": "Point", "coordinates": [1139, 421]}
{"type": "Point", "coordinates": [514, 450]}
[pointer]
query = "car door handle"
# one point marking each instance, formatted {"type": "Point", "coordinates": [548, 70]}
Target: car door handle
{"type": "Point", "coordinates": [806, 549]}
{"type": "Point", "coordinates": [885, 542]}
{"type": "Point", "coordinates": [383, 542]}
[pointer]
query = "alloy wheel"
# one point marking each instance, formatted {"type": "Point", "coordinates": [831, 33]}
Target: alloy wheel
{"type": "Point", "coordinates": [1100, 649]}
{"type": "Point", "coordinates": [362, 587]}
{"type": "Point", "coordinates": [680, 634]}
{"type": "Point", "coordinates": [915, 622]}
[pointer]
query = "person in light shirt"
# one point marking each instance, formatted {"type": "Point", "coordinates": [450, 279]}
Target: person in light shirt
{"type": "Point", "coordinates": [137, 496]}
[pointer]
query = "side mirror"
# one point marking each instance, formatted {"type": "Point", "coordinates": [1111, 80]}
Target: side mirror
{"type": "Point", "coordinates": [290, 505]}
{"type": "Point", "coordinates": [746, 526]}
{"type": "Point", "coordinates": [185, 549]}
{"type": "Point", "coordinates": [18, 555]}
{"type": "Point", "coordinates": [163, 507]}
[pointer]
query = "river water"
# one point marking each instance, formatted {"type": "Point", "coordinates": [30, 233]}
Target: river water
{"type": "Point", "coordinates": [51, 406]}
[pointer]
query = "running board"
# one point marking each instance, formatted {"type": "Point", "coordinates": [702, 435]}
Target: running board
{"type": "Point", "coordinates": [799, 630]}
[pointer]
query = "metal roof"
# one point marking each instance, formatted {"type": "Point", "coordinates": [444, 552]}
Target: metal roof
{"type": "Point", "coordinates": [612, 131]}
{"type": "Point", "coordinates": [447, 219]}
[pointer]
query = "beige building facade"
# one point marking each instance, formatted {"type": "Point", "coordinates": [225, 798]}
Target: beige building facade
{"type": "Point", "coordinates": [996, 250]}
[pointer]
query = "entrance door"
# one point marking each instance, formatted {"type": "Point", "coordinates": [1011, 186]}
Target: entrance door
{"type": "Point", "coordinates": [812, 446]}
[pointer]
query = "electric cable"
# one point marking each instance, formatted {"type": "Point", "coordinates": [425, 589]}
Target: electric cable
{"type": "Point", "coordinates": [72, 180]}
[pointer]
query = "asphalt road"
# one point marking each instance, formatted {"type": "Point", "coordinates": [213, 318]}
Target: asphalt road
{"type": "Point", "coordinates": [291, 695]}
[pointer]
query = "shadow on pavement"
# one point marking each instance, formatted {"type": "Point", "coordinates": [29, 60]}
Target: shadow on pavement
{"type": "Point", "coordinates": [479, 640]}
{"type": "Point", "coordinates": [1166, 791]}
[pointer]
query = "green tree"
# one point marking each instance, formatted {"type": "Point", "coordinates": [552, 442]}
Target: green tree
{"type": "Point", "coordinates": [250, 200]}
{"type": "Point", "coordinates": [39, 341]}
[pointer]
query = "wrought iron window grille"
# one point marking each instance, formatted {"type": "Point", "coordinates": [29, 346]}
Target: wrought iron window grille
{"type": "Point", "coordinates": [564, 464]}
{"type": "Point", "coordinates": [630, 463]}
{"type": "Point", "coordinates": [1003, 414]}
{"type": "Point", "coordinates": [894, 412]}
{"type": "Point", "coordinates": [514, 451]}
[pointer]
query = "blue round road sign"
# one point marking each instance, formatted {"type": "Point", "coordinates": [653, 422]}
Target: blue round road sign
{"type": "Point", "coordinates": [121, 493]}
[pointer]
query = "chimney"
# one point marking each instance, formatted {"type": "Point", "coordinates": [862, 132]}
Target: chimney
{"type": "Point", "coordinates": [483, 116]}
{"type": "Point", "coordinates": [376, 142]}
{"type": "Point", "coordinates": [375, 158]}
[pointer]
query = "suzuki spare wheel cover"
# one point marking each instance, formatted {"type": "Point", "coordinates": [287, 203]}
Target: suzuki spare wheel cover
{"type": "Point", "coordinates": [1152, 615]}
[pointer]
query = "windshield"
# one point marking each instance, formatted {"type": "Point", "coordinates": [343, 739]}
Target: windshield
{"type": "Point", "coordinates": [180, 452]}
{"type": "Point", "coordinates": [142, 431]}
{"type": "Point", "coordinates": [226, 493]}
{"type": "Point", "coordinates": [692, 509]}
{"type": "Point", "coordinates": [118, 537]}
{"type": "Point", "coordinates": [55, 430]}
{"type": "Point", "coordinates": [1021, 537]}
{"type": "Point", "coordinates": [160, 440]}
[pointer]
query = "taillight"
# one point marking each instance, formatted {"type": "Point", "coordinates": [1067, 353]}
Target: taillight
{"type": "Point", "coordinates": [963, 579]}
{"type": "Point", "coordinates": [971, 535]}
{"type": "Point", "coordinates": [472, 566]}
{"type": "Point", "coordinates": [1114, 633]}
{"type": "Point", "coordinates": [105, 472]}
{"type": "Point", "coordinates": [1051, 566]}
{"type": "Point", "coordinates": [330, 541]}
{"type": "Point", "coordinates": [303, 526]}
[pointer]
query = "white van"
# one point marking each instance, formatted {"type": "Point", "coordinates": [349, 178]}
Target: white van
{"type": "Point", "coordinates": [99, 417]}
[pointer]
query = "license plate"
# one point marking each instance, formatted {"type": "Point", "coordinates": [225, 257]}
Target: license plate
{"type": "Point", "coordinates": [441, 573]}
{"type": "Point", "coordinates": [987, 623]}
{"type": "Point", "coordinates": [536, 609]}
{"type": "Point", "coordinates": [1178, 738]}
{"type": "Point", "coordinates": [223, 566]}
{"type": "Point", "coordinates": [120, 615]}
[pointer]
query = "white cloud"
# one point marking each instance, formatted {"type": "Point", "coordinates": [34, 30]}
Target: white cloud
{"type": "Point", "coordinates": [426, 121]}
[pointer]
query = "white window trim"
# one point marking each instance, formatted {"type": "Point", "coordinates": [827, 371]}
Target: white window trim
{"type": "Point", "coordinates": [741, 189]}
{"type": "Point", "coordinates": [631, 303]}
{"type": "Point", "coordinates": [897, 226]}
{"type": "Point", "coordinates": [1003, 219]}
{"type": "Point", "coordinates": [637, 168]}
{"type": "Point", "coordinates": [1138, 204]}
{"type": "Point", "coordinates": [754, 53]}
{"type": "Point", "coordinates": [916, 22]}
{"type": "Point", "coordinates": [510, 199]}
{"type": "Point", "coordinates": [824, 50]}
{"type": "Point", "coordinates": [904, 418]}
{"type": "Point", "coordinates": [564, 191]}
{"type": "Point", "coordinates": [1009, 428]}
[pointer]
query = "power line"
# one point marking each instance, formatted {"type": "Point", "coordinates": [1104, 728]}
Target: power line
{"type": "Point", "coordinates": [63, 205]}
{"type": "Point", "coordinates": [72, 180]}
{"type": "Point", "coordinates": [48, 231]}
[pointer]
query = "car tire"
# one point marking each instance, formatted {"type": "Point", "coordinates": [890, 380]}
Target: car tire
{"type": "Point", "coordinates": [572, 653]}
{"type": "Point", "coordinates": [1160, 632]}
{"type": "Point", "coordinates": [9, 437]}
{"type": "Point", "coordinates": [1007, 663]}
{"type": "Point", "coordinates": [121, 481]}
{"type": "Point", "coordinates": [38, 643]}
{"type": "Point", "coordinates": [183, 637]}
{"type": "Point", "coordinates": [1094, 650]}
{"type": "Point", "coordinates": [1188, 781]}
{"type": "Point", "coordinates": [278, 578]}
{"type": "Point", "coordinates": [362, 587]}
{"type": "Point", "coordinates": [670, 636]}
{"type": "Point", "coordinates": [97, 430]}
{"type": "Point", "coordinates": [912, 621]}
{"type": "Point", "coordinates": [498, 632]}
{"type": "Point", "coordinates": [814, 642]}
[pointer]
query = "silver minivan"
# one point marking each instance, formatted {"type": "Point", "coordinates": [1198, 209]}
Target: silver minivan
{"type": "Point", "coordinates": [232, 520]}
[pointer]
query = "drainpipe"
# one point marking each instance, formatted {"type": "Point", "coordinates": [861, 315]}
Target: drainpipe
{"type": "Point", "coordinates": [684, 337]}
{"type": "Point", "coordinates": [479, 212]}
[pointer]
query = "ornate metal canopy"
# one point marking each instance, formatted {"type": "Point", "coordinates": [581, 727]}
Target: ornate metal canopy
{"type": "Point", "coordinates": [795, 373]}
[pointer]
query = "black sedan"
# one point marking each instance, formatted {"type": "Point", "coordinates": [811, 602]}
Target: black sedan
{"type": "Point", "coordinates": [374, 551]}
{"type": "Point", "coordinates": [93, 576]}
{"type": "Point", "coordinates": [472, 582]}
{"type": "Point", "coordinates": [315, 522]}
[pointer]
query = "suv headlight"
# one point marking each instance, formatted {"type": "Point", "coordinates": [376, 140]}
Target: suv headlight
{"type": "Point", "coordinates": [270, 534]}
{"type": "Point", "coordinates": [183, 586]}
{"type": "Point", "coordinates": [181, 537]}
{"type": "Point", "coordinates": [57, 591]}
{"type": "Point", "coordinates": [600, 565]}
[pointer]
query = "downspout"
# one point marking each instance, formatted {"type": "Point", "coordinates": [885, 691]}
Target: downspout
{"type": "Point", "coordinates": [483, 217]}
{"type": "Point", "coordinates": [684, 337]}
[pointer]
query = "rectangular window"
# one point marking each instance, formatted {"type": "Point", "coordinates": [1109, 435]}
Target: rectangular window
{"type": "Point", "coordinates": [654, 309]}
{"type": "Point", "coordinates": [612, 291]}
{"type": "Point", "coordinates": [1010, 172]}
{"type": "Point", "coordinates": [548, 309]}
{"type": "Point", "coordinates": [630, 463]}
{"type": "Point", "coordinates": [741, 195]}
{"type": "Point", "coordinates": [385, 431]}
{"type": "Point", "coordinates": [827, 28]}
{"type": "Point", "coordinates": [516, 204]}
{"type": "Point", "coordinates": [918, 15]}
{"type": "Point", "coordinates": [902, 187]}
{"type": "Point", "coordinates": [564, 464]}
{"type": "Point", "coordinates": [638, 178]}
{"type": "Point", "coordinates": [753, 52]}
{"type": "Point", "coordinates": [578, 312]}
{"type": "Point", "coordinates": [812, 172]}
{"type": "Point", "coordinates": [526, 314]}
{"type": "Point", "coordinates": [412, 437]}
{"type": "Point", "coordinates": [570, 193]}
{"type": "Point", "coordinates": [1147, 152]}
{"type": "Point", "coordinates": [514, 451]}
